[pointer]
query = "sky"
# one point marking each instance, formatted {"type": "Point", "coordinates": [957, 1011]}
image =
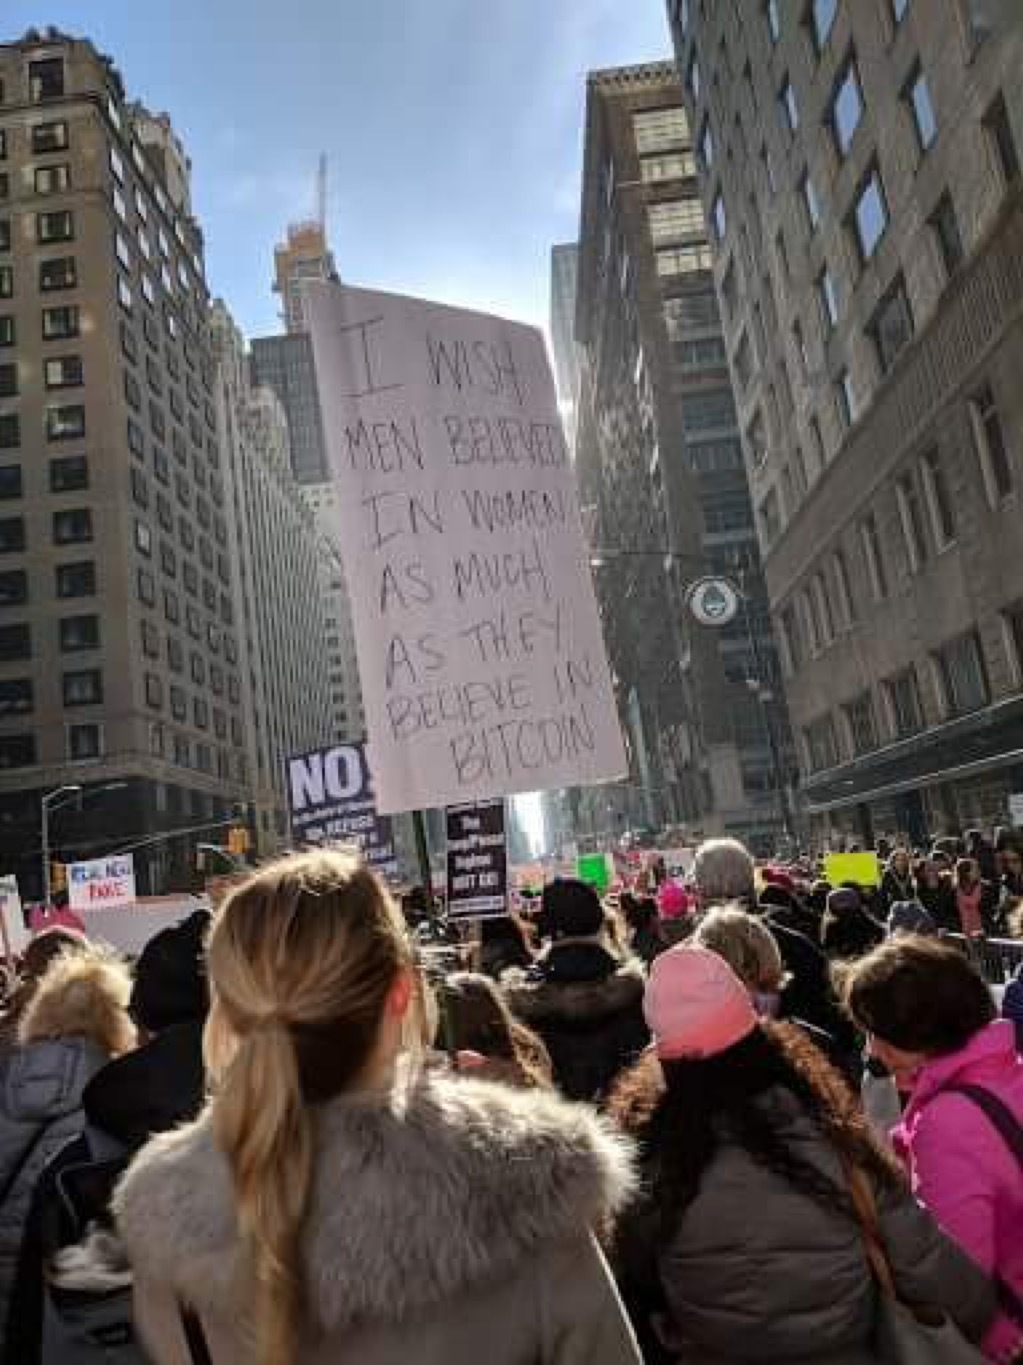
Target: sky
{"type": "Point", "coordinates": [453, 129]}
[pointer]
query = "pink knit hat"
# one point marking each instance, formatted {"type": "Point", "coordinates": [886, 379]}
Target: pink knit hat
{"type": "Point", "coordinates": [672, 901]}
{"type": "Point", "coordinates": [695, 1005]}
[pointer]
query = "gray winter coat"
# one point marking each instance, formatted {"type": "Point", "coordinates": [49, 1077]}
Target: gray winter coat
{"type": "Point", "coordinates": [41, 1088]}
{"type": "Point", "coordinates": [759, 1272]}
{"type": "Point", "coordinates": [448, 1227]}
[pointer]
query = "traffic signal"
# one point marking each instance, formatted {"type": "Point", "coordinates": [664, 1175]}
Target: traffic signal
{"type": "Point", "coordinates": [238, 841]}
{"type": "Point", "coordinates": [58, 877]}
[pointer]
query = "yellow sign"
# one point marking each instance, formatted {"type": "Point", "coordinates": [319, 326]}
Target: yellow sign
{"type": "Point", "coordinates": [238, 841]}
{"type": "Point", "coordinates": [863, 869]}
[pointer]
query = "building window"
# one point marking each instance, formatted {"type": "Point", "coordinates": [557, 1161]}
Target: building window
{"type": "Point", "coordinates": [859, 717]}
{"type": "Point", "coordinates": [72, 526]}
{"type": "Point", "coordinates": [791, 640]}
{"type": "Point", "coordinates": [891, 327]}
{"type": "Point", "coordinates": [60, 323]}
{"type": "Point", "coordinates": [15, 642]}
{"type": "Point", "coordinates": [918, 98]}
{"type": "Point", "coordinates": [903, 696]}
{"type": "Point", "coordinates": [57, 273]}
{"type": "Point", "coordinates": [84, 742]}
{"type": "Point", "coordinates": [821, 744]}
{"type": "Point", "coordinates": [771, 15]}
{"type": "Point", "coordinates": [693, 78]}
{"type": "Point", "coordinates": [69, 475]}
{"type": "Point", "coordinates": [821, 16]}
{"type": "Point", "coordinates": [13, 588]}
{"type": "Point", "coordinates": [49, 137]}
{"type": "Point", "coordinates": [676, 166]}
{"type": "Point", "coordinates": [911, 518]}
{"type": "Point", "coordinates": [12, 535]}
{"type": "Point", "coordinates": [899, 8]}
{"type": "Point", "coordinates": [684, 260]}
{"type": "Point", "coordinates": [945, 227]}
{"type": "Point", "coordinates": [939, 499]}
{"type": "Point", "coordinates": [676, 218]}
{"type": "Point", "coordinates": [870, 215]}
{"type": "Point", "coordinates": [989, 438]}
{"type": "Point", "coordinates": [10, 482]}
{"type": "Point", "coordinates": [52, 179]}
{"type": "Point", "coordinates": [143, 539]}
{"type": "Point", "coordinates": [789, 107]}
{"type": "Point", "coordinates": [6, 281]}
{"type": "Point", "coordinates": [845, 397]}
{"type": "Point", "coordinates": [17, 751]}
{"type": "Point", "coordinates": [770, 518]}
{"type": "Point", "coordinates": [660, 130]}
{"type": "Point", "coordinates": [6, 330]}
{"type": "Point", "coordinates": [78, 633]}
{"type": "Point", "coordinates": [83, 687]}
{"type": "Point", "coordinates": [706, 146]}
{"type": "Point", "coordinates": [962, 676]}
{"type": "Point", "coordinates": [150, 640]}
{"type": "Point", "coordinates": [999, 130]}
{"type": "Point", "coordinates": [17, 697]}
{"type": "Point", "coordinates": [846, 606]}
{"type": "Point", "coordinates": [154, 692]}
{"type": "Point", "coordinates": [55, 227]}
{"type": "Point", "coordinates": [63, 372]}
{"type": "Point", "coordinates": [9, 381]}
{"type": "Point", "coordinates": [124, 294]}
{"type": "Point", "coordinates": [65, 423]}
{"type": "Point", "coordinates": [811, 205]}
{"type": "Point", "coordinates": [828, 298]}
{"type": "Point", "coordinates": [46, 79]}
{"type": "Point", "coordinates": [1012, 624]}
{"type": "Point", "coordinates": [10, 430]}
{"type": "Point", "coordinates": [825, 616]}
{"type": "Point", "coordinates": [871, 541]}
{"type": "Point", "coordinates": [76, 580]}
{"type": "Point", "coordinates": [718, 216]}
{"type": "Point", "coordinates": [846, 107]}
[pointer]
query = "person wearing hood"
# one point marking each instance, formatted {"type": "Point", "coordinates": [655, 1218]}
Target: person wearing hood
{"type": "Point", "coordinates": [848, 929]}
{"type": "Point", "coordinates": [746, 1243]}
{"type": "Point", "coordinates": [335, 1201]}
{"type": "Point", "coordinates": [76, 1020]}
{"type": "Point", "coordinates": [910, 917]}
{"type": "Point", "coordinates": [582, 998]}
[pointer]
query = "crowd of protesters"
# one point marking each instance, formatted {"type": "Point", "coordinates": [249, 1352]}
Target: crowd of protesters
{"type": "Point", "coordinates": [642, 1128]}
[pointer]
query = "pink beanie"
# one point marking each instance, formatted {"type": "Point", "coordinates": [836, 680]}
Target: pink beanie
{"type": "Point", "coordinates": [672, 901]}
{"type": "Point", "coordinates": [695, 1005]}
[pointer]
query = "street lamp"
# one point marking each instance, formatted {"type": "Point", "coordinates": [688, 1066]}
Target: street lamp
{"type": "Point", "coordinates": [51, 802]}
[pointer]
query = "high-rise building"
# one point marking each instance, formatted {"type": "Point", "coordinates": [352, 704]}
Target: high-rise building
{"type": "Point", "coordinates": [860, 165]}
{"type": "Point", "coordinates": [339, 642]}
{"type": "Point", "coordinates": [285, 364]}
{"type": "Point", "coordinates": [283, 631]}
{"type": "Point", "coordinates": [119, 656]}
{"type": "Point", "coordinates": [303, 256]}
{"type": "Point", "coordinates": [662, 482]}
{"type": "Point", "coordinates": [564, 282]}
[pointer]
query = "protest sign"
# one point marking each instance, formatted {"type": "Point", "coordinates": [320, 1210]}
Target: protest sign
{"type": "Point", "coordinates": [102, 883]}
{"type": "Point", "coordinates": [597, 870]}
{"type": "Point", "coordinates": [330, 800]}
{"type": "Point", "coordinates": [14, 933]}
{"type": "Point", "coordinates": [477, 861]}
{"type": "Point", "coordinates": [482, 663]}
{"type": "Point", "coordinates": [863, 869]}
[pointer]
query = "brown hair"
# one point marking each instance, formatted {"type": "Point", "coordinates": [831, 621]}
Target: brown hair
{"type": "Point", "coordinates": [84, 993]}
{"type": "Point", "coordinates": [302, 958]}
{"type": "Point", "coordinates": [918, 994]}
{"type": "Point", "coordinates": [475, 1018]}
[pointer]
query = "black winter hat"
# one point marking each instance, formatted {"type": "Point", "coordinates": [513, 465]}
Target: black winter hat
{"type": "Point", "coordinates": [571, 909]}
{"type": "Point", "coordinates": [170, 978]}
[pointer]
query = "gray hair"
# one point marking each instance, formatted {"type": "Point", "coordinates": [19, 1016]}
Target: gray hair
{"type": "Point", "coordinates": [723, 872]}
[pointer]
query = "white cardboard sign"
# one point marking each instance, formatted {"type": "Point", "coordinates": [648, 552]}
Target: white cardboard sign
{"type": "Point", "coordinates": [102, 883]}
{"type": "Point", "coordinates": [17, 936]}
{"type": "Point", "coordinates": [480, 651]}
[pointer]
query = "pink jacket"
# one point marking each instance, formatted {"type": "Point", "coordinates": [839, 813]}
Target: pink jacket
{"type": "Point", "coordinates": [960, 1166]}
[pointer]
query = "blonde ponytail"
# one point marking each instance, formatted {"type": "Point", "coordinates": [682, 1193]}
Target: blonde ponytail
{"type": "Point", "coordinates": [301, 960]}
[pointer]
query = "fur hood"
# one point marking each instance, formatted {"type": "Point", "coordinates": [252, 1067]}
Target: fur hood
{"type": "Point", "coordinates": [446, 1186]}
{"type": "Point", "coordinates": [539, 1000]}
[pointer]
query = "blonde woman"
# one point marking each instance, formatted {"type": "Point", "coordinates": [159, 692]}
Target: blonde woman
{"type": "Point", "coordinates": [75, 1021]}
{"type": "Point", "coordinates": [336, 1203]}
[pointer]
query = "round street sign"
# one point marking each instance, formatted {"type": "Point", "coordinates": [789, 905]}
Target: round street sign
{"type": "Point", "coordinates": [714, 601]}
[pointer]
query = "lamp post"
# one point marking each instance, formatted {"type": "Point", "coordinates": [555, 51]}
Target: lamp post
{"type": "Point", "coordinates": [714, 600]}
{"type": "Point", "coordinates": [51, 801]}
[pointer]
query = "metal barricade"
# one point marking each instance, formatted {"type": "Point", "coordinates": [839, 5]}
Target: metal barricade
{"type": "Point", "coordinates": [999, 959]}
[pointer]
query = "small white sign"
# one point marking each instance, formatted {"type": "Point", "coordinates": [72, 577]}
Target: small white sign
{"type": "Point", "coordinates": [16, 935]}
{"type": "Point", "coordinates": [102, 883]}
{"type": "Point", "coordinates": [714, 601]}
{"type": "Point", "coordinates": [1016, 807]}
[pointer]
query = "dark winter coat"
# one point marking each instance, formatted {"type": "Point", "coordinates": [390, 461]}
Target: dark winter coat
{"type": "Point", "coordinates": [940, 903]}
{"type": "Point", "coordinates": [757, 1271]}
{"type": "Point", "coordinates": [41, 1087]}
{"type": "Point", "coordinates": [895, 888]}
{"type": "Point", "coordinates": [587, 1006]}
{"type": "Point", "coordinates": [448, 1224]}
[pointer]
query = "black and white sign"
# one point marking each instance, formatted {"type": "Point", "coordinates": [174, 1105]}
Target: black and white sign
{"type": "Point", "coordinates": [480, 650]}
{"type": "Point", "coordinates": [330, 799]}
{"type": "Point", "coordinates": [477, 861]}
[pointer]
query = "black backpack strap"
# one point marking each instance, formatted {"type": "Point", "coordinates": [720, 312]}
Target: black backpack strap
{"type": "Point", "coordinates": [998, 1114]}
{"type": "Point", "coordinates": [198, 1350]}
